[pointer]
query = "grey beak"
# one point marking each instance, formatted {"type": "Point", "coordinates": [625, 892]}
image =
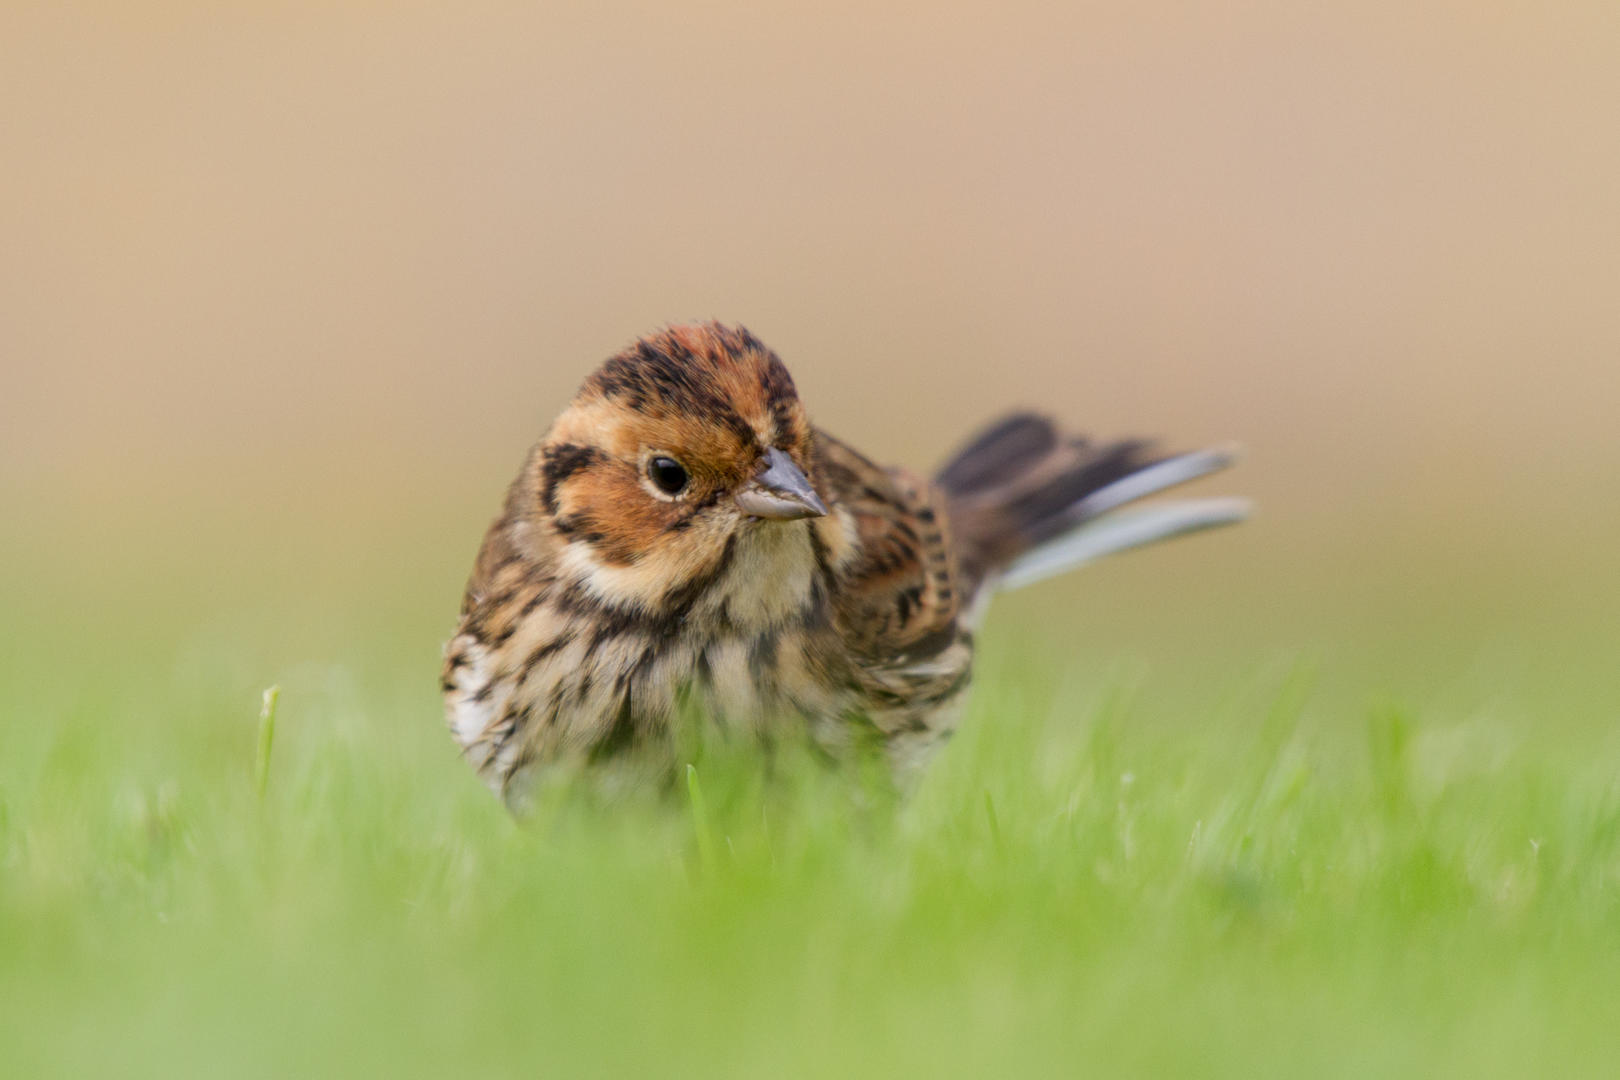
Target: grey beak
{"type": "Point", "coordinates": [781, 492]}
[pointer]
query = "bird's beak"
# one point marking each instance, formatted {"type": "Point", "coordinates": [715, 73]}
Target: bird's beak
{"type": "Point", "coordinates": [780, 492]}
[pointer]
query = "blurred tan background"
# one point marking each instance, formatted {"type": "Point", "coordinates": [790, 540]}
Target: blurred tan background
{"type": "Point", "coordinates": [286, 290]}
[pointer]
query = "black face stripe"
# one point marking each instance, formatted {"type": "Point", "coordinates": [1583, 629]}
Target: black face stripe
{"type": "Point", "coordinates": [558, 463]}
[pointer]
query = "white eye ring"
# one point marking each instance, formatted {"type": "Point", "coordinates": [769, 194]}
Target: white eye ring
{"type": "Point", "coordinates": [666, 476]}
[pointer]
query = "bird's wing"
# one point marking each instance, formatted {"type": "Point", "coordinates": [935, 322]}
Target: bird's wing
{"type": "Point", "coordinates": [898, 596]}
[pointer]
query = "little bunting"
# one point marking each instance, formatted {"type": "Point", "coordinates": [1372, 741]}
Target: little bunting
{"type": "Point", "coordinates": [684, 538]}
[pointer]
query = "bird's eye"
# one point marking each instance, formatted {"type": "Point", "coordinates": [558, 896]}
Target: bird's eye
{"type": "Point", "coordinates": [667, 475]}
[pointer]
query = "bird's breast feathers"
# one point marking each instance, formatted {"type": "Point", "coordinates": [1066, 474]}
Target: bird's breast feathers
{"type": "Point", "coordinates": [589, 664]}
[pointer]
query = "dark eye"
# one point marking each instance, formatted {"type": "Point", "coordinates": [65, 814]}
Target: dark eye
{"type": "Point", "coordinates": [667, 475]}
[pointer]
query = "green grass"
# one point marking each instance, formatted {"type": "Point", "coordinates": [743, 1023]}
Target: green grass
{"type": "Point", "coordinates": [1069, 891]}
{"type": "Point", "coordinates": [1204, 818]}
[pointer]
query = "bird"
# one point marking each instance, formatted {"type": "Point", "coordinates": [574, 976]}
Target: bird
{"type": "Point", "coordinates": [684, 538]}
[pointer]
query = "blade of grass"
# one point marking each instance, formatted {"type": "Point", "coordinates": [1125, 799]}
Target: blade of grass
{"type": "Point", "coordinates": [267, 739]}
{"type": "Point", "coordinates": [700, 819]}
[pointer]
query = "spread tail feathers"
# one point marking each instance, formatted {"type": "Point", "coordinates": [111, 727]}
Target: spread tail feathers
{"type": "Point", "coordinates": [1027, 503]}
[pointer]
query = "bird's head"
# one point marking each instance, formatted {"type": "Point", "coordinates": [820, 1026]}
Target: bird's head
{"type": "Point", "coordinates": [671, 451]}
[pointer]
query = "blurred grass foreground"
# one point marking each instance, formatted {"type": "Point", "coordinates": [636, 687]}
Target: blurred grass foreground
{"type": "Point", "coordinates": [1063, 896]}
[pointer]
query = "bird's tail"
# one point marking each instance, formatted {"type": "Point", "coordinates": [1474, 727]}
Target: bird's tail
{"type": "Point", "coordinates": [1027, 502]}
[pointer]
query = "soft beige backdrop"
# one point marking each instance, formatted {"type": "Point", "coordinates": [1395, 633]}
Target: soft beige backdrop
{"type": "Point", "coordinates": [285, 288]}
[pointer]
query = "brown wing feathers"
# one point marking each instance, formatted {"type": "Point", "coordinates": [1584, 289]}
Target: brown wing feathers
{"type": "Point", "coordinates": [901, 587]}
